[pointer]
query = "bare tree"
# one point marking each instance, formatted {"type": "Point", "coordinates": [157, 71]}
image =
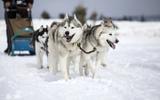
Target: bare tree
{"type": "Point", "coordinates": [93, 17]}
{"type": "Point", "coordinates": [61, 15]}
{"type": "Point", "coordinates": [80, 11]}
{"type": "Point", "coordinates": [45, 15]}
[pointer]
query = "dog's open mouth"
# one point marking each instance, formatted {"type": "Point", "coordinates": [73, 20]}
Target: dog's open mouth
{"type": "Point", "coordinates": [111, 44]}
{"type": "Point", "coordinates": [69, 38]}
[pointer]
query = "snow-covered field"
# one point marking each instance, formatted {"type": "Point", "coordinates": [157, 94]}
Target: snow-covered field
{"type": "Point", "coordinates": [133, 72]}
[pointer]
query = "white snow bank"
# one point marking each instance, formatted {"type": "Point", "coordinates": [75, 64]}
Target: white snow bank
{"type": "Point", "coordinates": [148, 29]}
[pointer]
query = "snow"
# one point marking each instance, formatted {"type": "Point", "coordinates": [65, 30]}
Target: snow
{"type": "Point", "coordinates": [133, 71]}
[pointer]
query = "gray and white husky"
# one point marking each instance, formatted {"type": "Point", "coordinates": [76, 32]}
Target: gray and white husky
{"type": "Point", "coordinates": [39, 40]}
{"type": "Point", "coordinates": [95, 45]}
{"type": "Point", "coordinates": [62, 44]}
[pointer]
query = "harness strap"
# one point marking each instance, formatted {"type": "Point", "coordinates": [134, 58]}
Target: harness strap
{"type": "Point", "coordinates": [87, 52]}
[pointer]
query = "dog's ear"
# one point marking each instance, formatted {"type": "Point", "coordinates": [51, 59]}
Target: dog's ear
{"type": "Point", "coordinates": [66, 17]}
{"type": "Point", "coordinates": [47, 28]}
{"type": "Point", "coordinates": [110, 19]}
{"type": "Point", "coordinates": [102, 23]}
{"type": "Point", "coordinates": [53, 24]}
{"type": "Point", "coordinates": [41, 28]}
{"type": "Point", "coordinates": [75, 17]}
{"type": "Point", "coordinates": [85, 26]}
{"type": "Point", "coordinates": [115, 26]}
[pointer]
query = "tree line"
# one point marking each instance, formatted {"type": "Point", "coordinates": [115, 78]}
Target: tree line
{"type": "Point", "coordinates": [81, 13]}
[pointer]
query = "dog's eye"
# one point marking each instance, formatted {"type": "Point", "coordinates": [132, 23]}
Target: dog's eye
{"type": "Point", "coordinates": [65, 27]}
{"type": "Point", "coordinates": [72, 27]}
{"type": "Point", "coordinates": [110, 34]}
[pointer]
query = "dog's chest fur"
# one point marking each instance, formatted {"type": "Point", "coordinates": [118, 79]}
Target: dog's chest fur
{"type": "Point", "coordinates": [42, 46]}
{"type": "Point", "coordinates": [70, 49]}
{"type": "Point", "coordinates": [41, 42]}
{"type": "Point", "coordinates": [59, 48]}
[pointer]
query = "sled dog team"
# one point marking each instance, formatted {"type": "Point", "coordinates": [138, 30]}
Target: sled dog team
{"type": "Point", "coordinates": [64, 41]}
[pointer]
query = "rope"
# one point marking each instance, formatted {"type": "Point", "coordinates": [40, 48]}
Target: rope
{"type": "Point", "coordinates": [87, 52]}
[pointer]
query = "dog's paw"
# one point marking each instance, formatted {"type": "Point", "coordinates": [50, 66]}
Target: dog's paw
{"type": "Point", "coordinates": [41, 67]}
{"type": "Point", "coordinates": [104, 65]}
{"type": "Point", "coordinates": [86, 72]}
{"type": "Point", "coordinates": [50, 69]}
{"type": "Point", "coordinates": [69, 77]}
{"type": "Point", "coordinates": [66, 78]}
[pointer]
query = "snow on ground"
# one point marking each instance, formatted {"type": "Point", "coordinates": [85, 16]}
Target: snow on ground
{"type": "Point", "coordinates": [133, 71]}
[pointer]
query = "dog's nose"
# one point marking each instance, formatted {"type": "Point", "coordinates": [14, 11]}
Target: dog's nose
{"type": "Point", "coordinates": [116, 41]}
{"type": "Point", "coordinates": [67, 33]}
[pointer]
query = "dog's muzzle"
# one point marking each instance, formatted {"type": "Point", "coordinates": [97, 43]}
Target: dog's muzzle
{"type": "Point", "coordinates": [111, 44]}
{"type": "Point", "coordinates": [69, 38]}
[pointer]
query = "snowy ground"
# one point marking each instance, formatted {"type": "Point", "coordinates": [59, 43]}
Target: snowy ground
{"type": "Point", "coordinates": [133, 72]}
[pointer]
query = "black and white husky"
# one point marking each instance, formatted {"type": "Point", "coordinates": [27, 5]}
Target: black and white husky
{"type": "Point", "coordinates": [95, 45]}
{"type": "Point", "coordinates": [40, 40]}
{"type": "Point", "coordinates": [62, 44]}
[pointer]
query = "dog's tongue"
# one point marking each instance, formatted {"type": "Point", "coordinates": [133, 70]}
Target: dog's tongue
{"type": "Point", "coordinates": [68, 39]}
{"type": "Point", "coordinates": [111, 44]}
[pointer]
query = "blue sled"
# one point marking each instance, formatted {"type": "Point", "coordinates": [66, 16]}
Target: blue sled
{"type": "Point", "coordinates": [22, 43]}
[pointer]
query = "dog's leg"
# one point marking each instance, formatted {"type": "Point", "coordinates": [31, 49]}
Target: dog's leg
{"type": "Point", "coordinates": [68, 66]}
{"type": "Point", "coordinates": [39, 56]}
{"type": "Point", "coordinates": [86, 70]}
{"type": "Point", "coordinates": [52, 63]}
{"type": "Point", "coordinates": [90, 67]}
{"type": "Point", "coordinates": [39, 60]}
{"type": "Point", "coordinates": [81, 65]}
{"type": "Point", "coordinates": [55, 61]}
{"type": "Point", "coordinates": [75, 61]}
{"type": "Point", "coordinates": [97, 63]}
{"type": "Point", "coordinates": [63, 65]}
{"type": "Point", "coordinates": [87, 65]}
{"type": "Point", "coordinates": [103, 58]}
{"type": "Point", "coordinates": [47, 63]}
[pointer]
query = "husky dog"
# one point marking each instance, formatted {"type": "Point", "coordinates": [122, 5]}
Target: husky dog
{"type": "Point", "coordinates": [40, 39]}
{"type": "Point", "coordinates": [95, 44]}
{"type": "Point", "coordinates": [62, 44]}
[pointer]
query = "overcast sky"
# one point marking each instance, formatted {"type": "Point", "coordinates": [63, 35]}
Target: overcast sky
{"type": "Point", "coordinates": [114, 8]}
